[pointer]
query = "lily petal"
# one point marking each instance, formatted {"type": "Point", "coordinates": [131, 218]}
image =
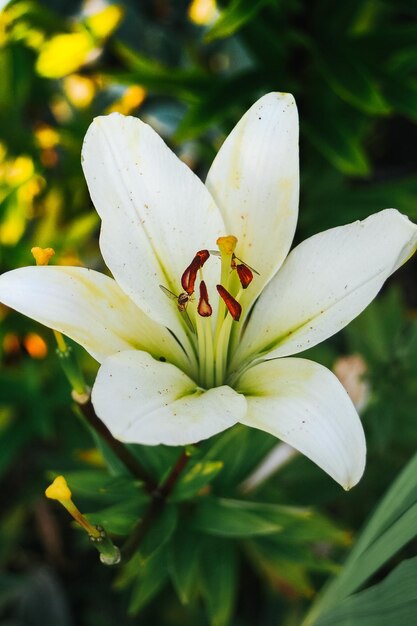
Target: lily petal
{"type": "Point", "coordinates": [254, 180]}
{"type": "Point", "coordinates": [144, 401]}
{"type": "Point", "coordinates": [156, 214]}
{"type": "Point", "coordinates": [326, 282]}
{"type": "Point", "coordinates": [89, 307]}
{"type": "Point", "coordinates": [305, 405]}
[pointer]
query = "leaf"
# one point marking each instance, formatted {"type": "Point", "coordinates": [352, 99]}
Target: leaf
{"type": "Point", "coordinates": [237, 518]}
{"type": "Point", "coordinates": [151, 74]}
{"type": "Point", "coordinates": [98, 486]}
{"type": "Point", "coordinates": [218, 566]}
{"type": "Point", "coordinates": [160, 532]}
{"type": "Point", "coordinates": [349, 77]}
{"type": "Point", "coordinates": [393, 601]}
{"type": "Point", "coordinates": [198, 476]}
{"type": "Point", "coordinates": [393, 524]}
{"type": "Point", "coordinates": [240, 449]}
{"type": "Point", "coordinates": [402, 95]}
{"type": "Point", "coordinates": [234, 17]}
{"type": "Point", "coordinates": [152, 577]}
{"type": "Point", "coordinates": [183, 561]}
{"type": "Point", "coordinates": [119, 518]}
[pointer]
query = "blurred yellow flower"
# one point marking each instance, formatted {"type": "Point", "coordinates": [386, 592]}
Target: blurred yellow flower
{"type": "Point", "coordinates": [64, 54]}
{"type": "Point", "coordinates": [202, 12]}
{"type": "Point", "coordinates": [130, 100]}
{"type": "Point", "coordinates": [80, 90]}
{"type": "Point", "coordinates": [103, 23]}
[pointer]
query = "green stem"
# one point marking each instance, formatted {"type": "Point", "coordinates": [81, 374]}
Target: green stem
{"type": "Point", "coordinates": [119, 449]}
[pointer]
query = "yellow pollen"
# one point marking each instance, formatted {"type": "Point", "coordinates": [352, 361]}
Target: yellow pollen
{"type": "Point", "coordinates": [227, 245]}
{"type": "Point", "coordinates": [42, 256]}
{"type": "Point", "coordinates": [59, 490]}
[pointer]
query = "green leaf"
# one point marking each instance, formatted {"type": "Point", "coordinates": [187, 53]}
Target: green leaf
{"type": "Point", "coordinates": [98, 486]}
{"type": "Point", "coordinates": [393, 524]}
{"type": "Point", "coordinates": [233, 17]}
{"type": "Point", "coordinates": [237, 518]}
{"type": "Point", "coordinates": [240, 449]}
{"type": "Point", "coordinates": [160, 532]}
{"type": "Point", "coordinates": [183, 83]}
{"type": "Point", "coordinates": [338, 142]}
{"type": "Point", "coordinates": [393, 601]}
{"type": "Point", "coordinates": [349, 77]}
{"type": "Point", "coordinates": [198, 476]}
{"type": "Point", "coordinates": [119, 518]}
{"type": "Point", "coordinates": [402, 95]}
{"type": "Point", "coordinates": [218, 566]}
{"type": "Point", "coordinates": [152, 577]}
{"type": "Point", "coordinates": [183, 560]}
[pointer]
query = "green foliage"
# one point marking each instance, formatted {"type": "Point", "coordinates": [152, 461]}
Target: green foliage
{"type": "Point", "coordinates": [394, 599]}
{"type": "Point", "coordinates": [392, 526]}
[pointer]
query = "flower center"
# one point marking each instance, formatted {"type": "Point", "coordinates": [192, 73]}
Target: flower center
{"type": "Point", "coordinates": [211, 341]}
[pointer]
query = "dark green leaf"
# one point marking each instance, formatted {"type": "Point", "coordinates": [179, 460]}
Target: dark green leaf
{"type": "Point", "coordinates": [151, 578]}
{"type": "Point", "coordinates": [218, 566]}
{"type": "Point", "coordinates": [183, 560]}
{"type": "Point", "coordinates": [237, 518]}
{"type": "Point", "coordinates": [233, 17]}
{"type": "Point", "coordinates": [198, 476]}
{"type": "Point", "coordinates": [350, 78]}
{"type": "Point", "coordinates": [393, 601]}
{"type": "Point", "coordinates": [160, 532]}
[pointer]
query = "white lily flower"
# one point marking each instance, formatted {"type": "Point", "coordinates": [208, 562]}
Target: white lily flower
{"type": "Point", "coordinates": [176, 370]}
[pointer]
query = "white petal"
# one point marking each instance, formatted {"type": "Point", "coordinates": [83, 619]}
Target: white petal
{"type": "Point", "coordinates": [305, 405]}
{"type": "Point", "coordinates": [144, 401]}
{"type": "Point", "coordinates": [326, 282]}
{"type": "Point", "coordinates": [255, 181]}
{"type": "Point", "coordinates": [87, 306]}
{"type": "Point", "coordinates": [156, 214]}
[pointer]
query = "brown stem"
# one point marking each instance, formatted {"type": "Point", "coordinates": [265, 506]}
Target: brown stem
{"type": "Point", "coordinates": [157, 503]}
{"type": "Point", "coordinates": [171, 480]}
{"type": "Point", "coordinates": [119, 449]}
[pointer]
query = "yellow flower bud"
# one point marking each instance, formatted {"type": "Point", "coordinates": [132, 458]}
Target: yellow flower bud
{"type": "Point", "coordinates": [59, 490]}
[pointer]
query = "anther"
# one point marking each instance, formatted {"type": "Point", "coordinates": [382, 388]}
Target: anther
{"type": "Point", "coordinates": [245, 275]}
{"type": "Point", "coordinates": [232, 304]}
{"type": "Point", "coordinates": [204, 307]}
{"type": "Point", "coordinates": [190, 274]}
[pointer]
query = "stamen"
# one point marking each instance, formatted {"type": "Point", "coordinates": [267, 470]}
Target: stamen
{"type": "Point", "coordinates": [233, 305]}
{"type": "Point", "coordinates": [204, 307]}
{"type": "Point", "coordinates": [190, 274]}
{"type": "Point", "coordinates": [245, 275]}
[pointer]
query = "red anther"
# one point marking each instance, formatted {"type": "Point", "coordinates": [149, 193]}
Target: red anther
{"type": "Point", "coordinates": [190, 274]}
{"type": "Point", "coordinates": [204, 307]}
{"type": "Point", "coordinates": [203, 255]}
{"type": "Point", "coordinates": [245, 275]}
{"type": "Point", "coordinates": [233, 305]}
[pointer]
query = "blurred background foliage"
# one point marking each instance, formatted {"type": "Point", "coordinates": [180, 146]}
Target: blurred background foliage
{"type": "Point", "coordinates": [191, 69]}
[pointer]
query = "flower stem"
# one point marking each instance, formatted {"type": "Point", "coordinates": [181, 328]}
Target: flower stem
{"type": "Point", "coordinates": [157, 503]}
{"type": "Point", "coordinates": [119, 449]}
